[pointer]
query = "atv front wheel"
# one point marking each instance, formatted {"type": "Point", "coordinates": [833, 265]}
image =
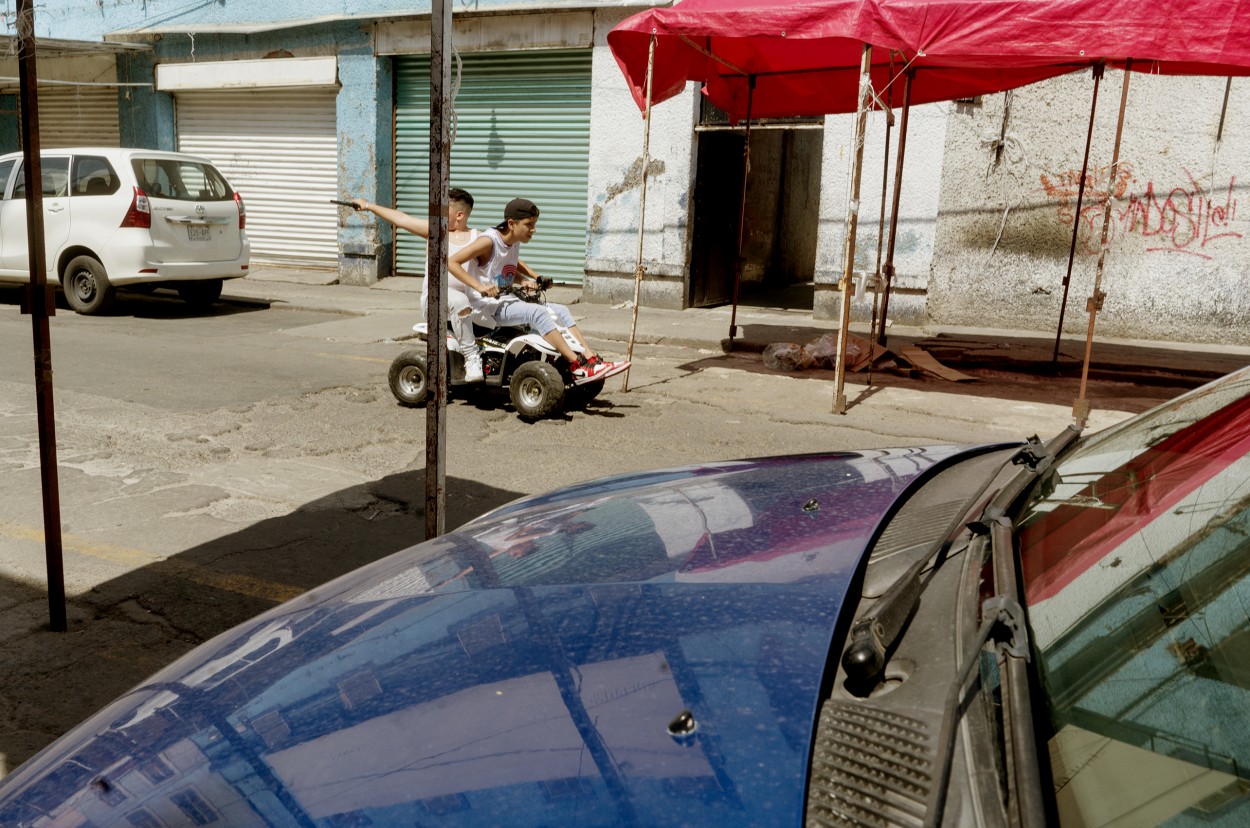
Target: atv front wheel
{"type": "Point", "coordinates": [410, 382]}
{"type": "Point", "coordinates": [579, 396]}
{"type": "Point", "coordinates": [536, 389]}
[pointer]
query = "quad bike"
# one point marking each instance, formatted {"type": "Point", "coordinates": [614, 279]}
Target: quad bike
{"type": "Point", "coordinates": [538, 380]}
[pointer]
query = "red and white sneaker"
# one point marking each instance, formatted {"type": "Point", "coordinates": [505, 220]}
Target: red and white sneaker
{"type": "Point", "coordinates": [590, 371]}
{"type": "Point", "coordinates": [597, 369]}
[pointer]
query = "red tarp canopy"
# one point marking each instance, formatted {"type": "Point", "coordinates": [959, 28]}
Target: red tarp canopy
{"type": "Point", "coordinates": [805, 54]}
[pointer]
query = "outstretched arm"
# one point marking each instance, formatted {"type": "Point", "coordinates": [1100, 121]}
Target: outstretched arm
{"type": "Point", "coordinates": [399, 218]}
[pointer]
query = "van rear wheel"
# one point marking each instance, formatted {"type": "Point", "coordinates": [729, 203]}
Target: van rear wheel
{"type": "Point", "coordinates": [86, 285]}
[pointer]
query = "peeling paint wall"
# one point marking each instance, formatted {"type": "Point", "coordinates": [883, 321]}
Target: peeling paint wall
{"type": "Point", "coordinates": [616, 138]}
{"type": "Point", "coordinates": [1176, 263]}
{"type": "Point", "coordinates": [918, 210]}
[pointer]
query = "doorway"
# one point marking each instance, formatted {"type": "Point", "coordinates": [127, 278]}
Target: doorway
{"type": "Point", "coordinates": [781, 216]}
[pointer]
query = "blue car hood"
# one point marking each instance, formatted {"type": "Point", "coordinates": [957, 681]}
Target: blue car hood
{"type": "Point", "coordinates": [646, 649]}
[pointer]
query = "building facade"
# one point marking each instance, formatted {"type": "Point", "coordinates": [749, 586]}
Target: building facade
{"type": "Point", "coordinates": [302, 103]}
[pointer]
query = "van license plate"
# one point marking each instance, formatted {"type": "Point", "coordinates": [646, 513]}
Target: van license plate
{"type": "Point", "coordinates": [197, 232]}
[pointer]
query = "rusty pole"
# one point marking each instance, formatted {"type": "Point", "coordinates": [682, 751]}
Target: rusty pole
{"type": "Point", "coordinates": [742, 212]}
{"type": "Point", "coordinates": [888, 269]}
{"type": "Point", "coordinates": [852, 222]}
{"type": "Point", "coordinates": [639, 270]}
{"type": "Point", "coordinates": [435, 273]}
{"type": "Point", "coordinates": [885, 186]}
{"type": "Point", "coordinates": [1076, 220]}
{"type": "Point", "coordinates": [40, 305]}
{"type": "Point", "coordinates": [1080, 407]}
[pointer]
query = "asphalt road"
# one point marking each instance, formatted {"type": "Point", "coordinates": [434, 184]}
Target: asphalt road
{"type": "Point", "coordinates": [212, 465]}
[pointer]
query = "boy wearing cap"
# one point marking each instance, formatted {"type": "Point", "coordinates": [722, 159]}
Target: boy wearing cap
{"type": "Point", "coordinates": [496, 254]}
{"type": "Point", "coordinates": [459, 235]}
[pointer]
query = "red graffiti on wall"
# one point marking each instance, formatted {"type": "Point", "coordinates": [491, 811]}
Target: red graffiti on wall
{"type": "Point", "coordinates": [1187, 219]}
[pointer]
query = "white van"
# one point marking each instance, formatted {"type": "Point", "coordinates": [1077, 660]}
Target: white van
{"type": "Point", "coordinates": [125, 218]}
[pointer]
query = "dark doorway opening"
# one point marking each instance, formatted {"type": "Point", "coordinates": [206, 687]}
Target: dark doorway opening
{"type": "Point", "coordinates": [781, 216]}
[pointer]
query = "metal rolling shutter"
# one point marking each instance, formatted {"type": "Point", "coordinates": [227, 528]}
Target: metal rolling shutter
{"type": "Point", "coordinates": [522, 129]}
{"type": "Point", "coordinates": [76, 116]}
{"type": "Point", "coordinates": [279, 149]}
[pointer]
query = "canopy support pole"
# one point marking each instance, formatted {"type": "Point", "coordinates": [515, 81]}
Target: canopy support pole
{"type": "Point", "coordinates": [1080, 408]}
{"type": "Point", "coordinates": [885, 184]}
{"type": "Point", "coordinates": [1219, 133]}
{"type": "Point", "coordinates": [742, 212]}
{"type": "Point", "coordinates": [1076, 217]}
{"type": "Point", "coordinates": [888, 270]}
{"type": "Point", "coordinates": [852, 223]}
{"type": "Point", "coordinates": [639, 270]}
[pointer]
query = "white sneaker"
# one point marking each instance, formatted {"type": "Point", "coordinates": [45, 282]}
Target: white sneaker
{"type": "Point", "coordinates": [472, 364]}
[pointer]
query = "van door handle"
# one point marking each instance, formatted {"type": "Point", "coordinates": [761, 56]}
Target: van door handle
{"type": "Point", "coordinates": [56, 207]}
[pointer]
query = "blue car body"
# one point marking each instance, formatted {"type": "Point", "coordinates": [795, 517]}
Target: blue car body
{"type": "Point", "coordinates": [647, 649]}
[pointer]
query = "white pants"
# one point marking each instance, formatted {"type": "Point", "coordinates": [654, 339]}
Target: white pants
{"type": "Point", "coordinates": [457, 315]}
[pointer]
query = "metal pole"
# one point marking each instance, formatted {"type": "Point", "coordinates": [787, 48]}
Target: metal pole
{"type": "Point", "coordinates": [1080, 408]}
{"type": "Point", "coordinates": [435, 272]}
{"type": "Point", "coordinates": [742, 212]}
{"type": "Point", "coordinates": [40, 304]}
{"type": "Point", "coordinates": [888, 270]}
{"type": "Point", "coordinates": [642, 208]}
{"type": "Point", "coordinates": [852, 222]}
{"type": "Point", "coordinates": [1080, 202]}
{"type": "Point", "coordinates": [885, 185]}
{"type": "Point", "coordinates": [1219, 133]}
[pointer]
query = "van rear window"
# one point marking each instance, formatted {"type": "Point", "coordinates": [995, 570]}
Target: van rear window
{"type": "Point", "coordinates": [180, 180]}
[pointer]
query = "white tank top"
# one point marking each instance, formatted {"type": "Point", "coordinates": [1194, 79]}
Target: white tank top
{"type": "Point", "coordinates": [500, 270]}
{"type": "Point", "coordinates": [452, 282]}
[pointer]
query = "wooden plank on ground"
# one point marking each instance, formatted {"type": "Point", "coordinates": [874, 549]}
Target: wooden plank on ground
{"type": "Point", "coordinates": [925, 362]}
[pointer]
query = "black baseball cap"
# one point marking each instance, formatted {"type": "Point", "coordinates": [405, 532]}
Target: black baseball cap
{"type": "Point", "coordinates": [517, 209]}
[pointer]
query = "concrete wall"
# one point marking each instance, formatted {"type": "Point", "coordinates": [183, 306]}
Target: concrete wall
{"type": "Point", "coordinates": [918, 210]}
{"type": "Point", "coordinates": [616, 139]}
{"type": "Point", "coordinates": [1176, 264]}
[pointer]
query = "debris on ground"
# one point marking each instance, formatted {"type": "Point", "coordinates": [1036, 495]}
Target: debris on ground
{"type": "Point", "coordinates": [861, 355]}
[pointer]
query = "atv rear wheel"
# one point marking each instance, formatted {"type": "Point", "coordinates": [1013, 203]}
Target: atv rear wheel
{"type": "Point", "coordinates": [410, 381]}
{"type": "Point", "coordinates": [536, 389]}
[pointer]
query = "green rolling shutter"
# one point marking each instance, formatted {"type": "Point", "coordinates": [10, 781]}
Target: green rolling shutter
{"type": "Point", "coordinates": [522, 129]}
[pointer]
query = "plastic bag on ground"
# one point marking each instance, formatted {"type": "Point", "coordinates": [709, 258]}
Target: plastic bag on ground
{"type": "Point", "coordinates": [824, 350]}
{"type": "Point", "coordinates": [786, 356]}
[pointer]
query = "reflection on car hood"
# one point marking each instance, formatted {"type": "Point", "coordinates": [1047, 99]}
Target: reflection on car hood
{"type": "Point", "coordinates": [522, 670]}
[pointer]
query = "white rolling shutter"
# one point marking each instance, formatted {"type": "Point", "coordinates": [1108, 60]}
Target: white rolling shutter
{"type": "Point", "coordinates": [279, 150]}
{"type": "Point", "coordinates": [78, 116]}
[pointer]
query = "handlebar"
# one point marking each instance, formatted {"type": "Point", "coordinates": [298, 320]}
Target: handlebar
{"type": "Point", "coordinates": [342, 203]}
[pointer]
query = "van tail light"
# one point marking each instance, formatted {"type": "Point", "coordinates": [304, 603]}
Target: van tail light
{"type": "Point", "coordinates": [238, 202]}
{"type": "Point", "coordinates": [140, 212]}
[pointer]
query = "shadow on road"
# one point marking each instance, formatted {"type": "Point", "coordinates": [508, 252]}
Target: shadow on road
{"type": "Point", "coordinates": [155, 304]}
{"type": "Point", "coordinates": [126, 628]}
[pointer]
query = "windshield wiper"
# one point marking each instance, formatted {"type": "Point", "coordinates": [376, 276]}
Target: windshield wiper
{"type": "Point", "coordinates": [874, 634]}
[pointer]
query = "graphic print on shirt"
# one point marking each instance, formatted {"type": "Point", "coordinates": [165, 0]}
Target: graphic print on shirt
{"type": "Point", "coordinates": [506, 276]}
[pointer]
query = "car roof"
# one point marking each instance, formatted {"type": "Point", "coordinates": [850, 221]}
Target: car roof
{"type": "Point", "coordinates": [115, 153]}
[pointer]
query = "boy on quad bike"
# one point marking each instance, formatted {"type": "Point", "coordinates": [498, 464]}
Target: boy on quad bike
{"type": "Point", "coordinates": [457, 291]}
{"type": "Point", "coordinates": [494, 256]}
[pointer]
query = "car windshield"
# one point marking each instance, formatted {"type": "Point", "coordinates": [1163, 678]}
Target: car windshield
{"type": "Point", "coordinates": [180, 179]}
{"type": "Point", "coordinates": [1135, 556]}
